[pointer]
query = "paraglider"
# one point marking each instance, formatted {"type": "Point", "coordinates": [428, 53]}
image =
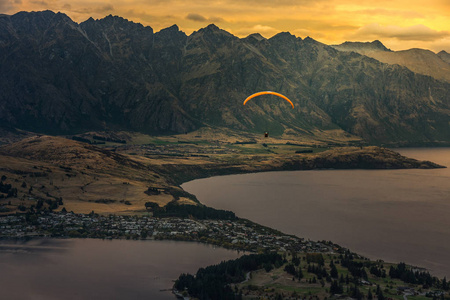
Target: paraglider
{"type": "Point", "coordinates": [268, 93]}
{"type": "Point", "coordinates": [266, 133]}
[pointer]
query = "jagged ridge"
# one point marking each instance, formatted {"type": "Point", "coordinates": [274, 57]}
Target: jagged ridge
{"type": "Point", "coordinates": [58, 76]}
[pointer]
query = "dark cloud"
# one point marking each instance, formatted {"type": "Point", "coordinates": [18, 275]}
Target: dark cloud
{"type": "Point", "coordinates": [199, 18]}
{"type": "Point", "coordinates": [196, 17]}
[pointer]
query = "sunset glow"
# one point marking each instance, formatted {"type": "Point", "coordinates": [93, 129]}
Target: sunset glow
{"type": "Point", "coordinates": [399, 24]}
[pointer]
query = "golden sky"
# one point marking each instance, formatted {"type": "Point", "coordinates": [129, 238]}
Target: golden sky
{"type": "Point", "coordinates": [398, 24]}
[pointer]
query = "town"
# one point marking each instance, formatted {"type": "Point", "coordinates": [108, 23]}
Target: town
{"type": "Point", "coordinates": [237, 234]}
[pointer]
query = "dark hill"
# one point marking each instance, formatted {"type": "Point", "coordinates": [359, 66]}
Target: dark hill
{"type": "Point", "coordinates": [57, 76]}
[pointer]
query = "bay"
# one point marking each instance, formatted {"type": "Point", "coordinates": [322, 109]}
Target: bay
{"type": "Point", "coordinates": [99, 269]}
{"type": "Point", "coordinates": [394, 215]}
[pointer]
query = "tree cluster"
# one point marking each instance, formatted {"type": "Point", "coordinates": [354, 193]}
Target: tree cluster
{"type": "Point", "coordinates": [355, 268]}
{"type": "Point", "coordinates": [7, 189]}
{"type": "Point", "coordinates": [377, 271]}
{"type": "Point", "coordinates": [213, 282]}
{"type": "Point", "coordinates": [415, 277]}
{"type": "Point", "coordinates": [200, 212]}
{"type": "Point", "coordinates": [320, 271]}
{"type": "Point", "coordinates": [315, 258]}
{"type": "Point", "coordinates": [296, 272]}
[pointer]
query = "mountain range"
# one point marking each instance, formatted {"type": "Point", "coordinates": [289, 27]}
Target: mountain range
{"type": "Point", "coordinates": [417, 60]}
{"type": "Point", "coordinates": [62, 77]}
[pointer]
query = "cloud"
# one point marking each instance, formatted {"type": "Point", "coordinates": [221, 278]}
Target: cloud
{"type": "Point", "coordinates": [100, 9]}
{"type": "Point", "coordinates": [390, 12]}
{"type": "Point", "coordinates": [199, 18]}
{"type": "Point", "coordinates": [7, 6]}
{"type": "Point", "coordinates": [412, 33]}
{"type": "Point", "coordinates": [278, 3]}
{"type": "Point", "coordinates": [40, 2]}
{"type": "Point", "coordinates": [196, 17]}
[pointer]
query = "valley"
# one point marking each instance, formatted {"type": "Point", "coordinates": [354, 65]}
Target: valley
{"type": "Point", "coordinates": [121, 177]}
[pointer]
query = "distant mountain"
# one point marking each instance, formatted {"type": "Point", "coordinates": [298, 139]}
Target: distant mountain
{"type": "Point", "coordinates": [57, 76]}
{"type": "Point", "coordinates": [419, 61]}
{"type": "Point", "coordinates": [444, 56]}
{"type": "Point", "coordinates": [362, 47]}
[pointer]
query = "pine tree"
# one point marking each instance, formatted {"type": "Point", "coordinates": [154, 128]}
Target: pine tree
{"type": "Point", "coordinates": [333, 271]}
{"type": "Point", "coordinates": [444, 284]}
{"type": "Point", "coordinates": [300, 273]}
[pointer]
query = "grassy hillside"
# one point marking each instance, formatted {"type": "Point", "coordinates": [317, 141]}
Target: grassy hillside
{"type": "Point", "coordinates": [53, 172]}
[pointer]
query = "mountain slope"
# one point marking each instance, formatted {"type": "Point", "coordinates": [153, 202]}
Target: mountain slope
{"type": "Point", "coordinates": [417, 60]}
{"type": "Point", "coordinates": [58, 76]}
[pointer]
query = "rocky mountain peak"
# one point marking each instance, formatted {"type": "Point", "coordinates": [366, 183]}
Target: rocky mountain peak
{"type": "Point", "coordinates": [170, 31]}
{"type": "Point", "coordinates": [116, 22]}
{"type": "Point", "coordinates": [211, 30]}
{"type": "Point", "coordinates": [362, 47]}
{"type": "Point", "coordinates": [445, 56]}
{"type": "Point", "coordinates": [378, 45]}
{"type": "Point", "coordinates": [255, 36]}
{"type": "Point", "coordinates": [283, 37]}
{"type": "Point", "coordinates": [35, 23]}
{"type": "Point", "coordinates": [170, 36]}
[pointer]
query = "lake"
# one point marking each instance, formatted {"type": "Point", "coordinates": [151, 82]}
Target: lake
{"type": "Point", "coordinates": [394, 215]}
{"type": "Point", "coordinates": [99, 269]}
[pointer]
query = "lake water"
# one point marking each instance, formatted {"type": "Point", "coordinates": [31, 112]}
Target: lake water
{"type": "Point", "coordinates": [394, 215]}
{"type": "Point", "coordinates": [99, 269]}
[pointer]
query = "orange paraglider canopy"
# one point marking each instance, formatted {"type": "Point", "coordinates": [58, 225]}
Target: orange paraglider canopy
{"type": "Point", "coordinates": [269, 93]}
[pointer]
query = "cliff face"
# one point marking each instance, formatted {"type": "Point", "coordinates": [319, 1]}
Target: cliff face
{"type": "Point", "coordinates": [58, 76]}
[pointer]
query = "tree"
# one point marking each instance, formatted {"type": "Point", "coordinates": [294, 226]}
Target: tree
{"type": "Point", "coordinates": [300, 273]}
{"type": "Point", "coordinates": [380, 295]}
{"type": "Point", "coordinates": [333, 271]}
{"type": "Point", "coordinates": [445, 285]}
{"type": "Point", "coordinates": [356, 293]}
{"type": "Point", "coordinates": [296, 260]}
{"type": "Point", "coordinates": [290, 269]}
{"type": "Point", "coordinates": [336, 288]}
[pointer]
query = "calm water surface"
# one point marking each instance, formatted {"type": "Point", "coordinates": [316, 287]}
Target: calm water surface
{"type": "Point", "coordinates": [97, 269]}
{"type": "Point", "coordinates": [394, 215]}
